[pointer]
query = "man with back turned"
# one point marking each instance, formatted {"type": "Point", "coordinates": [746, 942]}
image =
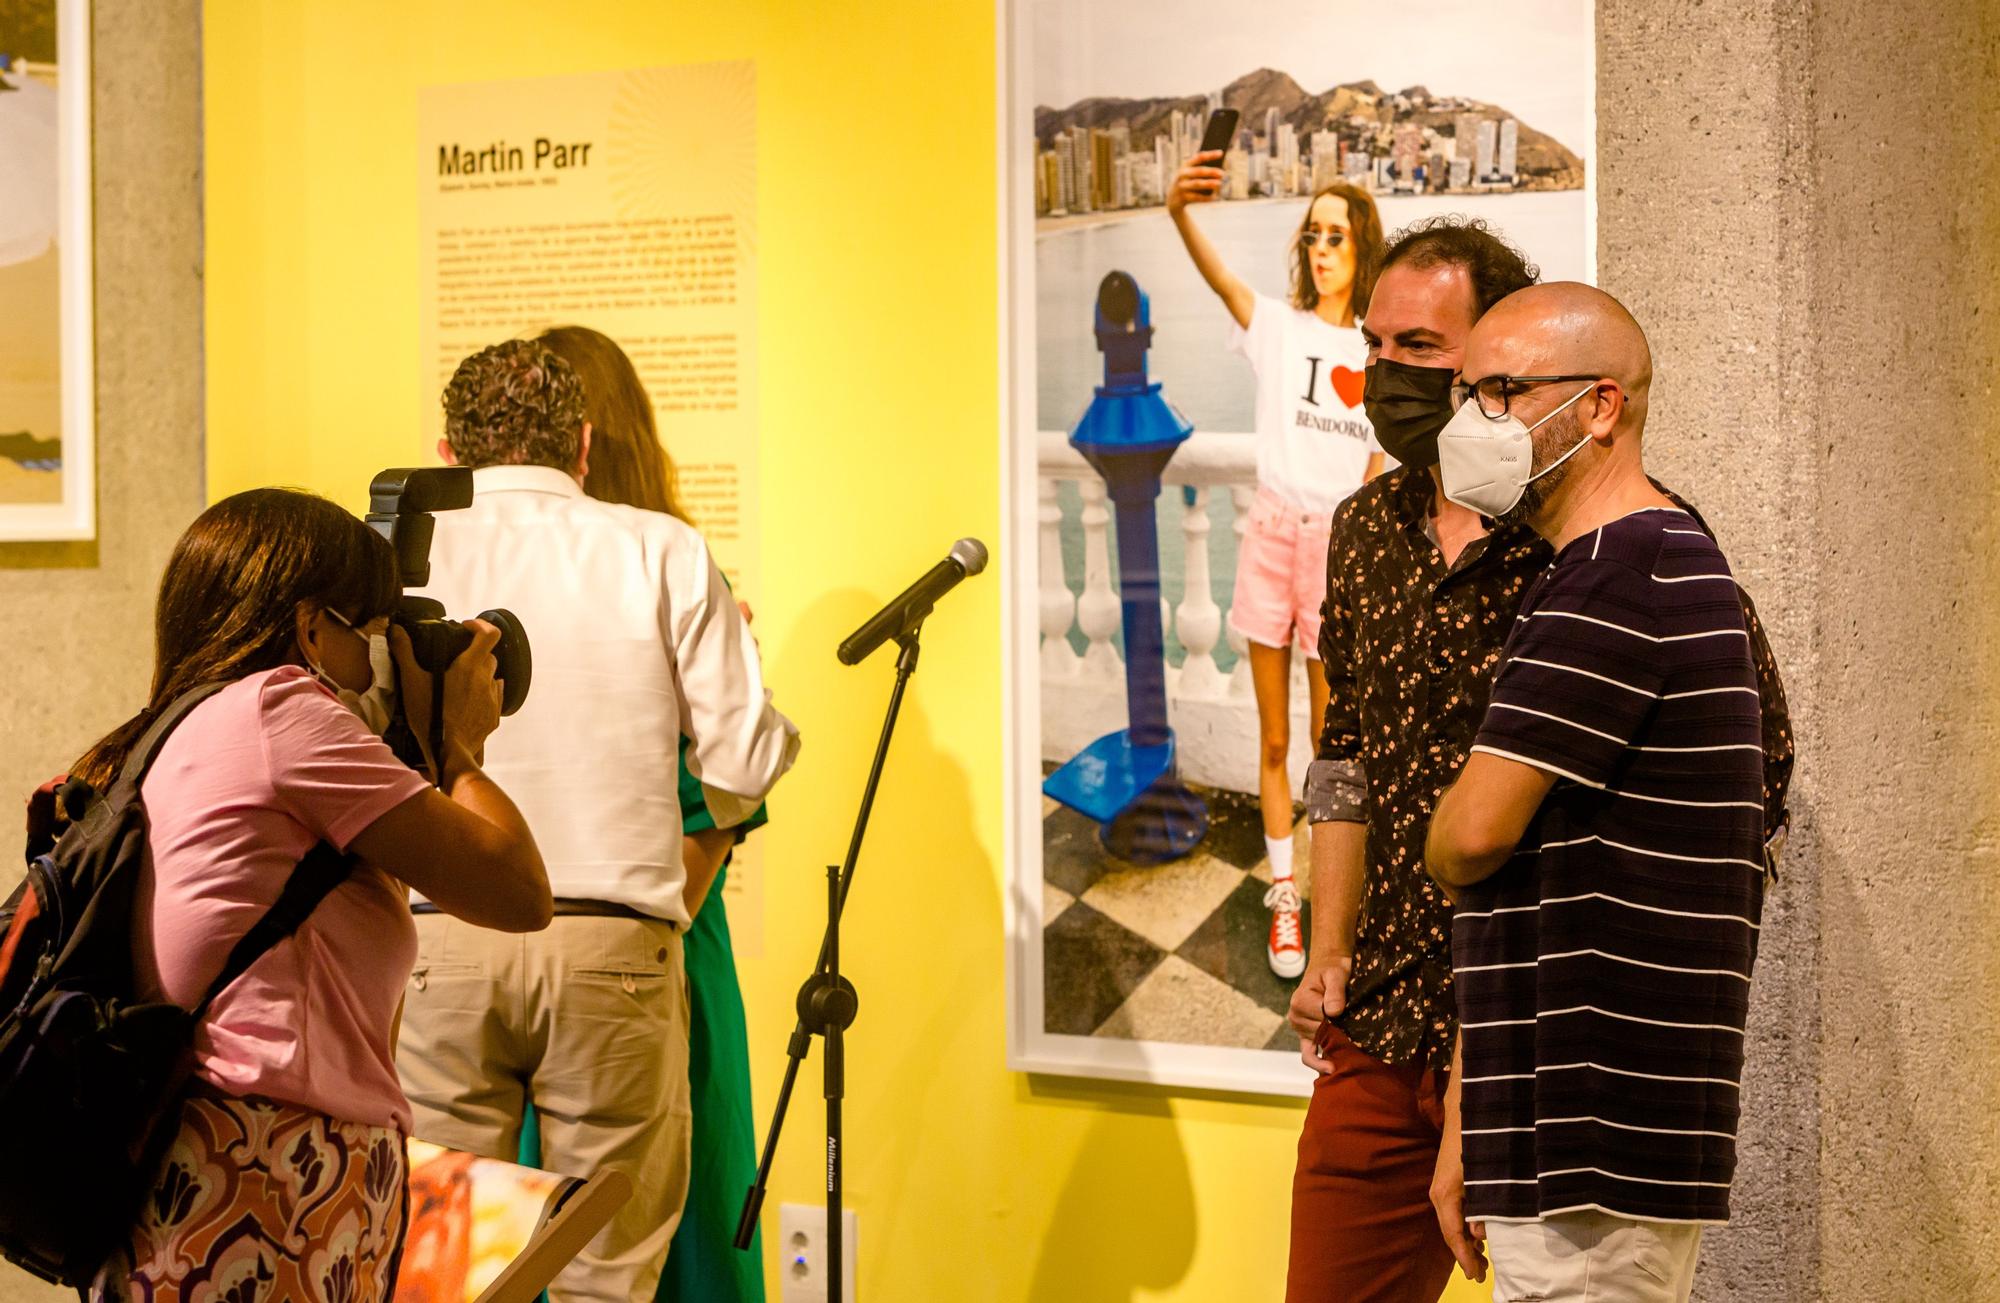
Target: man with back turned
{"type": "Point", "coordinates": [637, 643]}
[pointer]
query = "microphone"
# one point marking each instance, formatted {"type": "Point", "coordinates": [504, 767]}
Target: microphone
{"type": "Point", "coordinates": [907, 611]}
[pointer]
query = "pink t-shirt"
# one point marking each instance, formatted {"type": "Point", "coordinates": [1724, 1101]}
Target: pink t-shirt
{"type": "Point", "coordinates": [251, 779]}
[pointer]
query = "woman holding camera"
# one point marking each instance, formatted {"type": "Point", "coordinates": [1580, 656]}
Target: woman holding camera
{"type": "Point", "coordinates": [629, 464]}
{"type": "Point", "coordinates": [286, 1176]}
{"type": "Point", "coordinates": [1314, 447]}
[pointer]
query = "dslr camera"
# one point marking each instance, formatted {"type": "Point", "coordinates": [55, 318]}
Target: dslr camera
{"type": "Point", "coordinates": [400, 506]}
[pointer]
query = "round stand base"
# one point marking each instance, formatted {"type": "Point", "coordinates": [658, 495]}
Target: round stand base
{"type": "Point", "coordinates": [1165, 823]}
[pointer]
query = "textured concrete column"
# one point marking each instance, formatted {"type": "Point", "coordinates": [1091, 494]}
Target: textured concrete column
{"type": "Point", "coordinates": [1905, 329]}
{"type": "Point", "coordinates": [1704, 195]}
{"type": "Point", "coordinates": [77, 619]}
{"type": "Point", "coordinates": [1799, 202]}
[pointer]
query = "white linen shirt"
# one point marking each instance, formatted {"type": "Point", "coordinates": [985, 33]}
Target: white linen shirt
{"type": "Point", "coordinates": [636, 640]}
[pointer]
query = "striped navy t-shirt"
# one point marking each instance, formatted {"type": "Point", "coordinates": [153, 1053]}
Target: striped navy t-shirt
{"type": "Point", "coordinates": [1603, 973]}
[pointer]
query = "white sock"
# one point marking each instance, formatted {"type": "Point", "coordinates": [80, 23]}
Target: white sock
{"type": "Point", "coordinates": [1280, 851]}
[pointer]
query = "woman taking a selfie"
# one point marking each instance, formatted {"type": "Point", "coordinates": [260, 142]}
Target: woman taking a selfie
{"type": "Point", "coordinates": [286, 1176]}
{"type": "Point", "coordinates": [1314, 447]}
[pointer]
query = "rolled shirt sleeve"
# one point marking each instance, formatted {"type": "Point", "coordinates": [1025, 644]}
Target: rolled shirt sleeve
{"type": "Point", "coordinates": [739, 745]}
{"type": "Point", "coordinates": [1336, 788]}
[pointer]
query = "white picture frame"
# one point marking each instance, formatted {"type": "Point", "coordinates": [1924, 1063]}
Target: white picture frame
{"type": "Point", "coordinates": [74, 516]}
{"type": "Point", "coordinates": [1031, 1046]}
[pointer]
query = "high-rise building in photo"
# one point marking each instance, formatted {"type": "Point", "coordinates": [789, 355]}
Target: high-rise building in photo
{"type": "Point", "coordinates": [1103, 158]}
{"type": "Point", "coordinates": [1325, 160]}
{"type": "Point", "coordinates": [1465, 144]}
{"type": "Point", "coordinates": [1077, 188]}
{"type": "Point", "coordinates": [1148, 183]}
{"type": "Point", "coordinates": [1408, 154]}
{"type": "Point", "coordinates": [1167, 157]}
{"type": "Point", "coordinates": [1510, 141]}
{"type": "Point", "coordinates": [1271, 131]}
{"type": "Point", "coordinates": [1484, 164]}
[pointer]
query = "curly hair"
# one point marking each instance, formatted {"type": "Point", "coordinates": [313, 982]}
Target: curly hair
{"type": "Point", "coordinates": [1496, 267]}
{"type": "Point", "coordinates": [515, 404]}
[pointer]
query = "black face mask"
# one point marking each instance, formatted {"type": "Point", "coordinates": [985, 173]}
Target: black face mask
{"type": "Point", "coordinates": [1408, 405]}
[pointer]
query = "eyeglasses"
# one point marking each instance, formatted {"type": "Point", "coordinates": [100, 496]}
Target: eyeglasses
{"type": "Point", "coordinates": [1496, 393]}
{"type": "Point", "coordinates": [359, 630]}
{"type": "Point", "coordinates": [1334, 239]}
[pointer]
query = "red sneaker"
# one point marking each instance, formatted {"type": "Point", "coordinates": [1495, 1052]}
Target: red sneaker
{"type": "Point", "coordinates": [1287, 950]}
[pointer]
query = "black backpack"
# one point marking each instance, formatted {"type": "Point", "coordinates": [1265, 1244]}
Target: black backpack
{"type": "Point", "coordinates": [90, 1076]}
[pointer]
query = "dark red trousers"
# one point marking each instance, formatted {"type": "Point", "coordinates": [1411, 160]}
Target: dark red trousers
{"type": "Point", "coordinates": [1363, 1230]}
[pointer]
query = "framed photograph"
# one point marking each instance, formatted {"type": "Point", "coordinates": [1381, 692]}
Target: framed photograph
{"type": "Point", "coordinates": [1141, 896]}
{"type": "Point", "coordinates": [47, 396]}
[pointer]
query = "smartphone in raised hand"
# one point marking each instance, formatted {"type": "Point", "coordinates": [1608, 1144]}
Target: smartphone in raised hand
{"type": "Point", "coordinates": [1221, 133]}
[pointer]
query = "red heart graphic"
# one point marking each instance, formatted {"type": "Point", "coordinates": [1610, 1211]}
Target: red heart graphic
{"type": "Point", "coordinates": [1349, 384]}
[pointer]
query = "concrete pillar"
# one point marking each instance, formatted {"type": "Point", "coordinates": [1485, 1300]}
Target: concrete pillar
{"type": "Point", "coordinates": [1799, 203]}
{"type": "Point", "coordinates": [1905, 329]}
{"type": "Point", "coordinates": [77, 619]}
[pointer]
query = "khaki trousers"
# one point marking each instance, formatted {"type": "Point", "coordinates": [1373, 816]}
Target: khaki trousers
{"type": "Point", "coordinates": [1592, 1257]}
{"type": "Point", "coordinates": [588, 1021]}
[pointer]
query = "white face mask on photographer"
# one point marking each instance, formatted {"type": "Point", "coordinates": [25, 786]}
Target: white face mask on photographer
{"type": "Point", "coordinates": [377, 706]}
{"type": "Point", "coordinates": [1487, 464]}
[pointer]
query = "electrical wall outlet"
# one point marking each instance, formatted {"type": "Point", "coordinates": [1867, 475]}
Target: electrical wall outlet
{"type": "Point", "coordinates": [802, 1253]}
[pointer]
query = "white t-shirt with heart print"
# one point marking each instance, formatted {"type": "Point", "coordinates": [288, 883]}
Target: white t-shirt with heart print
{"type": "Point", "coordinates": [1313, 438]}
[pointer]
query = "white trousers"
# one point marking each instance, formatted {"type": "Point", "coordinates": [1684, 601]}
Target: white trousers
{"type": "Point", "coordinates": [1592, 1257]}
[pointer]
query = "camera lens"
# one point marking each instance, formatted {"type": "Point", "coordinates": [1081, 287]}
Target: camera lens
{"type": "Point", "coordinates": [514, 662]}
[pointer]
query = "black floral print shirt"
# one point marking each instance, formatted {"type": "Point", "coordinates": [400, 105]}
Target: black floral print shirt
{"type": "Point", "coordinates": [1409, 645]}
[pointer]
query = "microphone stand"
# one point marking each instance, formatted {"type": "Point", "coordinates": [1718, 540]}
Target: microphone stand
{"type": "Point", "coordinates": [827, 1005]}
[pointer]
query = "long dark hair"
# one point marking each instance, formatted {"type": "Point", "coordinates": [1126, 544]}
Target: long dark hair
{"type": "Point", "coordinates": [230, 597]}
{"type": "Point", "coordinates": [628, 463]}
{"type": "Point", "coordinates": [1366, 223]}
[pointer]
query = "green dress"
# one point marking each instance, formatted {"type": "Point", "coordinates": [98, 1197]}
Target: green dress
{"type": "Point", "coordinates": [704, 1265]}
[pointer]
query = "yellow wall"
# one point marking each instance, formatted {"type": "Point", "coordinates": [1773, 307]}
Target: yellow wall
{"type": "Point", "coordinates": [879, 401]}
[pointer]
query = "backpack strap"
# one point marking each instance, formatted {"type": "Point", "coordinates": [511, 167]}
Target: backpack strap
{"type": "Point", "coordinates": [322, 869]}
{"type": "Point", "coordinates": [140, 758]}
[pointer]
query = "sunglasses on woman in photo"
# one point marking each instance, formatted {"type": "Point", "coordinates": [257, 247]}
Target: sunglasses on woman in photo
{"type": "Point", "coordinates": [1334, 239]}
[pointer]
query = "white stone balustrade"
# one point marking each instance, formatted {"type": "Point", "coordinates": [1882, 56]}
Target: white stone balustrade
{"type": "Point", "coordinates": [1214, 715]}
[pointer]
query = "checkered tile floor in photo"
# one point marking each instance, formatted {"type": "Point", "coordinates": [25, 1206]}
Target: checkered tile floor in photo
{"type": "Point", "coordinates": [1174, 952]}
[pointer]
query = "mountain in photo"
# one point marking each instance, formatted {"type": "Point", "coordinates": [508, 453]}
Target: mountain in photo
{"type": "Point", "coordinates": [1361, 113]}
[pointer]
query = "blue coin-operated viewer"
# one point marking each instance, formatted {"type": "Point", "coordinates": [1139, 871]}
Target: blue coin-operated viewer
{"type": "Point", "coordinates": [1127, 780]}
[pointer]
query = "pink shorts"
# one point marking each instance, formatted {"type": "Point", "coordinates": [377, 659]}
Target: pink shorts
{"type": "Point", "coordinates": [1280, 575]}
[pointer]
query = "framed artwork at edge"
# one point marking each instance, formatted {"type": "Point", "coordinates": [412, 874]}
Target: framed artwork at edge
{"type": "Point", "coordinates": [1156, 973]}
{"type": "Point", "coordinates": [47, 392]}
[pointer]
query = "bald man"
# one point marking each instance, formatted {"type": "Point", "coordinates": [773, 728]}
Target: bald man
{"type": "Point", "coordinates": [1604, 841]}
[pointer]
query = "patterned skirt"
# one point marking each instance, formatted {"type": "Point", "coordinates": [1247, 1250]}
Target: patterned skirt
{"type": "Point", "coordinates": [263, 1202]}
